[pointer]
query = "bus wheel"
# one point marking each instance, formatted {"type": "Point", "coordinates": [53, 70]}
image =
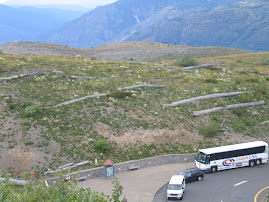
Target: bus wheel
{"type": "Point", "coordinates": [251, 163]}
{"type": "Point", "coordinates": [258, 162]}
{"type": "Point", "coordinates": [214, 169]}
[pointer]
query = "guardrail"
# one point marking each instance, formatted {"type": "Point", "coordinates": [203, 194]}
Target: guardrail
{"type": "Point", "coordinates": [124, 166]}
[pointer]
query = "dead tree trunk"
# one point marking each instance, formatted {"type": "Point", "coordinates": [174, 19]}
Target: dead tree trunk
{"type": "Point", "coordinates": [17, 76]}
{"type": "Point", "coordinates": [223, 125]}
{"type": "Point", "coordinates": [264, 122]}
{"type": "Point", "coordinates": [102, 95]}
{"type": "Point", "coordinates": [17, 182]}
{"type": "Point", "coordinates": [80, 99]}
{"type": "Point", "coordinates": [206, 111]}
{"type": "Point", "coordinates": [181, 102]}
{"type": "Point", "coordinates": [210, 65]}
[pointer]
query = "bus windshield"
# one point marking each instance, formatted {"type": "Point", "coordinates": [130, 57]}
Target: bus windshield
{"type": "Point", "coordinates": [201, 157]}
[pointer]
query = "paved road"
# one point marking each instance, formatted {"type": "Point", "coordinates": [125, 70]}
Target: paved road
{"type": "Point", "coordinates": [235, 185]}
{"type": "Point", "coordinates": [138, 185]}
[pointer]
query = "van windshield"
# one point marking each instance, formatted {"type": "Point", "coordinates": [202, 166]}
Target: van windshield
{"type": "Point", "coordinates": [174, 186]}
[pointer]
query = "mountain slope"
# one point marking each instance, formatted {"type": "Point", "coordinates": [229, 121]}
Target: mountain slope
{"type": "Point", "coordinates": [104, 23]}
{"type": "Point", "coordinates": [241, 25]}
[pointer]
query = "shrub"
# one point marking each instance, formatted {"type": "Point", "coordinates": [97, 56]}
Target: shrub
{"type": "Point", "coordinates": [62, 191]}
{"type": "Point", "coordinates": [120, 94]}
{"type": "Point", "coordinates": [28, 142]}
{"type": "Point", "coordinates": [26, 124]}
{"type": "Point", "coordinates": [245, 97]}
{"type": "Point", "coordinates": [239, 126]}
{"type": "Point", "coordinates": [211, 80]}
{"type": "Point", "coordinates": [262, 88]}
{"type": "Point", "coordinates": [11, 104]}
{"type": "Point", "coordinates": [265, 60]}
{"type": "Point", "coordinates": [240, 112]}
{"type": "Point", "coordinates": [102, 146]}
{"type": "Point", "coordinates": [210, 130]}
{"type": "Point", "coordinates": [186, 62]}
{"type": "Point", "coordinates": [253, 80]}
{"type": "Point", "coordinates": [32, 110]}
{"type": "Point", "coordinates": [25, 102]}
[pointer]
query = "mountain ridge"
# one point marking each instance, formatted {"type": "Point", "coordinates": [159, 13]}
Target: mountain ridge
{"type": "Point", "coordinates": [171, 22]}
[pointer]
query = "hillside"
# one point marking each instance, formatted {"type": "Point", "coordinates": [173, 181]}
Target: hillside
{"type": "Point", "coordinates": [241, 24]}
{"type": "Point", "coordinates": [36, 131]}
{"type": "Point", "coordinates": [125, 51]}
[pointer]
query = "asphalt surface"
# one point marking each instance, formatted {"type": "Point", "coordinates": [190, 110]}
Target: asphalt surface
{"type": "Point", "coordinates": [138, 185]}
{"type": "Point", "coordinates": [234, 185]}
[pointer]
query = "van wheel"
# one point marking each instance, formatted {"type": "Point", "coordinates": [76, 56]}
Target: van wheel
{"type": "Point", "coordinates": [181, 197]}
{"type": "Point", "coordinates": [251, 163]}
{"type": "Point", "coordinates": [214, 169]}
{"type": "Point", "coordinates": [258, 162]}
{"type": "Point", "coordinates": [199, 178]}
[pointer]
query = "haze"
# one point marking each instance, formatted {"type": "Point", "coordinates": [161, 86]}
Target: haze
{"type": "Point", "coordinates": [84, 3]}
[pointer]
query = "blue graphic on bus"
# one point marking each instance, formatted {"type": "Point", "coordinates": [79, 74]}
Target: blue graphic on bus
{"type": "Point", "coordinates": [228, 162]}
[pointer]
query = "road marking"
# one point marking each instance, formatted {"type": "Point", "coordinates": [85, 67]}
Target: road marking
{"type": "Point", "coordinates": [255, 199]}
{"type": "Point", "coordinates": [240, 183]}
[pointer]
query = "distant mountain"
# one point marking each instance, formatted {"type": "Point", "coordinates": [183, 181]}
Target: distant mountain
{"type": "Point", "coordinates": [24, 23]}
{"type": "Point", "coordinates": [243, 25]}
{"type": "Point", "coordinates": [229, 23]}
{"type": "Point", "coordinates": [104, 23]}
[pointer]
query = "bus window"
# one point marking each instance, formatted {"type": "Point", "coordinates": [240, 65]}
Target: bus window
{"type": "Point", "coordinates": [207, 159]}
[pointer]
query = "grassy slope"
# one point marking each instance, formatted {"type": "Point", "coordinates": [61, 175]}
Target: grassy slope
{"type": "Point", "coordinates": [123, 128]}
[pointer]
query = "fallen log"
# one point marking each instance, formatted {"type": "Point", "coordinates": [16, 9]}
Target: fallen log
{"type": "Point", "coordinates": [206, 111]}
{"type": "Point", "coordinates": [264, 122]}
{"type": "Point", "coordinates": [142, 86]}
{"type": "Point", "coordinates": [67, 167]}
{"type": "Point", "coordinates": [102, 95]}
{"type": "Point", "coordinates": [209, 65]}
{"type": "Point", "coordinates": [181, 102]}
{"type": "Point", "coordinates": [17, 76]}
{"type": "Point", "coordinates": [17, 182]}
{"type": "Point", "coordinates": [80, 99]}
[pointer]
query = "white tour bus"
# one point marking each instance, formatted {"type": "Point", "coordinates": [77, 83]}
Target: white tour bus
{"type": "Point", "coordinates": [232, 156]}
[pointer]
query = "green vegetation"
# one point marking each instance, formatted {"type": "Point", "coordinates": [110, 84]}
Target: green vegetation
{"type": "Point", "coordinates": [120, 94]}
{"type": "Point", "coordinates": [210, 130]}
{"type": "Point", "coordinates": [28, 142]}
{"type": "Point", "coordinates": [62, 191]}
{"type": "Point", "coordinates": [186, 62]}
{"type": "Point", "coordinates": [102, 146]}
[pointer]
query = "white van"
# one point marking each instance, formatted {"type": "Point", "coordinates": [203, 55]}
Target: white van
{"type": "Point", "coordinates": [176, 187]}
